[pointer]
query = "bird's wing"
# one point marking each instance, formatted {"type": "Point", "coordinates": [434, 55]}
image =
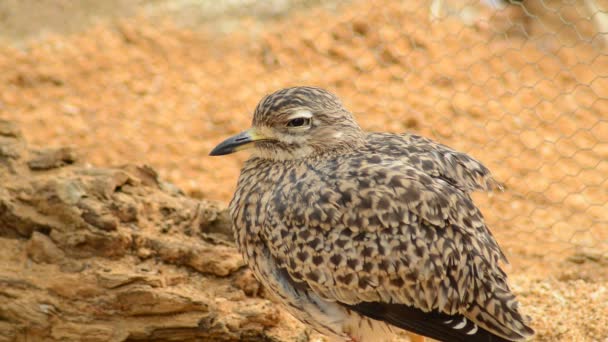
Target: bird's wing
{"type": "Point", "coordinates": [436, 160]}
{"type": "Point", "coordinates": [387, 233]}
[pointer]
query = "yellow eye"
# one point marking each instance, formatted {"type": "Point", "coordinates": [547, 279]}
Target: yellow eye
{"type": "Point", "coordinates": [298, 122]}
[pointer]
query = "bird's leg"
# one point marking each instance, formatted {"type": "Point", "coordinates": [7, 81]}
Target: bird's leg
{"type": "Point", "coordinates": [416, 337]}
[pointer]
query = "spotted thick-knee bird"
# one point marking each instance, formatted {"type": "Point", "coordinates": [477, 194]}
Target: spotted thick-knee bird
{"type": "Point", "coordinates": [361, 234]}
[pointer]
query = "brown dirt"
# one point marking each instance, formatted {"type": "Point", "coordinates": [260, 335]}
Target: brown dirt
{"type": "Point", "coordinates": [530, 104]}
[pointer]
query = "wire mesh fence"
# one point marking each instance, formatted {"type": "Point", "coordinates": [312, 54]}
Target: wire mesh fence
{"type": "Point", "coordinates": [520, 85]}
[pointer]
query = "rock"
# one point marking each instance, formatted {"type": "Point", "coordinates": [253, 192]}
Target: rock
{"type": "Point", "coordinates": [88, 332]}
{"type": "Point", "coordinates": [17, 220]}
{"type": "Point", "coordinates": [9, 151]}
{"type": "Point", "coordinates": [74, 286]}
{"type": "Point", "coordinates": [41, 249]}
{"type": "Point", "coordinates": [12, 147]}
{"type": "Point", "coordinates": [263, 313]}
{"type": "Point", "coordinates": [247, 282]}
{"type": "Point", "coordinates": [215, 223]}
{"type": "Point", "coordinates": [204, 257]}
{"type": "Point", "coordinates": [52, 158]}
{"type": "Point", "coordinates": [145, 301]}
{"type": "Point", "coordinates": [116, 280]}
{"type": "Point", "coordinates": [115, 254]}
{"type": "Point", "coordinates": [9, 129]}
{"type": "Point", "coordinates": [95, 213]}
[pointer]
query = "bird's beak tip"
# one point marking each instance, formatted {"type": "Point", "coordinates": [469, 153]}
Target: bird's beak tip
{"type": "Point", "coordinates": [236, 143]}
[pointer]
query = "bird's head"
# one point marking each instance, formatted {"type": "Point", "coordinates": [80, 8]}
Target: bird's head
{"type": "Point", "coordinates": [295, 123]}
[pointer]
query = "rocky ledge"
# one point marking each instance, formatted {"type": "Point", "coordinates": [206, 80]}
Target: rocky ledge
{"type": "Point", "coordinates": [116, 254]}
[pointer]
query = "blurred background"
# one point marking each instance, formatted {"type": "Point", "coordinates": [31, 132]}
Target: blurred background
{"type": "Point", "coordinates": [520, 85]}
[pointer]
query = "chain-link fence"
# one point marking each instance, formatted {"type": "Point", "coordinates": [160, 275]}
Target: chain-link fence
{"type": "Point", "coordinates": [520, 85]}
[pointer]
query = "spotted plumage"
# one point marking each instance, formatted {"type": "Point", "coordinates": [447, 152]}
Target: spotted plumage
{"type": "Point", "coordinates": [360, 234]}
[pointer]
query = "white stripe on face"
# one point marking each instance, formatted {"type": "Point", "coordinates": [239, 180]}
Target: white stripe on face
{"type": "Point", "coordinates": [302, 113]}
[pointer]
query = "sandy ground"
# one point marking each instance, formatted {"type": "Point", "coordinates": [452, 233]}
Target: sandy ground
{"type": "Point", "coordinates": [523, 96]}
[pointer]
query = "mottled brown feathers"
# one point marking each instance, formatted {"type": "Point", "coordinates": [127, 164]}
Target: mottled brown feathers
{"type": "Point", "coordinates": [387, 220]}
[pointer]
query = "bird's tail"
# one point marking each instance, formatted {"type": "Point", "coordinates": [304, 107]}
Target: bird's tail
{"type": "Point", "coordinates": [497, 310]}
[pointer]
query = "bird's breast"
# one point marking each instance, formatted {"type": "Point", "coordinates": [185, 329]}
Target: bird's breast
{"type": "Point", "coordinates": [248, 208]}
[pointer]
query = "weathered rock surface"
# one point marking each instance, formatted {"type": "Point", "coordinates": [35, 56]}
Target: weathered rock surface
{"type": "Point", "coordinates": [115, 254]}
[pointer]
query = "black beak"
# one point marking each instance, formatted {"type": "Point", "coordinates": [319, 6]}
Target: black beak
{"type": "Point", "coordinates": [235, 143]}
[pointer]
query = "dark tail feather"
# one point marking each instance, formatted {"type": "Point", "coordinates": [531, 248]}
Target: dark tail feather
{"type": "Point", "coordinates": [436, 325]}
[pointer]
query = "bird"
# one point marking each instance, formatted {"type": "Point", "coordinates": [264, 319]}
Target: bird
{"type": "Point", "coordinates": [362, 235]}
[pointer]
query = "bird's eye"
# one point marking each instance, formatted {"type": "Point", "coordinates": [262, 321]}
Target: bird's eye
{"type": "Point", "coordinates": [298, 122]}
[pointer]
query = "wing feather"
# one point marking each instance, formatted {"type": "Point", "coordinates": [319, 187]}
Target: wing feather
{"type": "Point", "coordinates": [437, 160]}
{"type": "Point", "coordinates": [387, 232]}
